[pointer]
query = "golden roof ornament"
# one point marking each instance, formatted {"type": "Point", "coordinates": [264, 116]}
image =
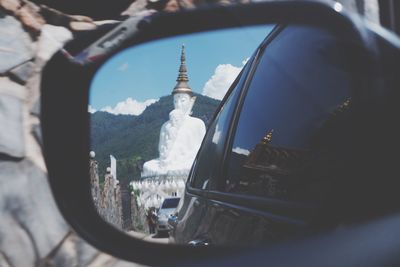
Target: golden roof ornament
{"type": "Point", "coordinates": [345, 105]}
{"type": "Point", "coordinates": [182, 85]}
{"type": "Point", "coordinates": [342, 107]}
{"type": "Point", "coordinates": [267, 138]}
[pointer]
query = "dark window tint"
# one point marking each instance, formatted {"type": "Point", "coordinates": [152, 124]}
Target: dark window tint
{"type": "Point", "coordinates": [299, 83]}
{"type": "Point", "coordinates": [208, 163]}
{"type": "Point", "coordinates": [170, 203]}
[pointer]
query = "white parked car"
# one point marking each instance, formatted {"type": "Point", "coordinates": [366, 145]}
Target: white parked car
{"type": "Point", "coordinates": [167, 208]}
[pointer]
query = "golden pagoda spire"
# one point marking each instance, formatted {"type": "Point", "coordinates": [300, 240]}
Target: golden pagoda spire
{"type": "Point", "coordinates": [182, 85]}
{"type": "Point", "coordinates": [267, 138]}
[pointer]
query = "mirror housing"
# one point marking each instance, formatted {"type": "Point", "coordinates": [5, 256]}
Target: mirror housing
{"type": "Point", "coordinates": [66, 83]}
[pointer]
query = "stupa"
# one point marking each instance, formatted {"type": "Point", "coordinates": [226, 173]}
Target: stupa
{"type": "Point", "coordinates": [180, 137]}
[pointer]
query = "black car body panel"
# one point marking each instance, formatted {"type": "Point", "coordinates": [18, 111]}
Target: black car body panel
{"type": "Point", "coordinates": [284, 187]}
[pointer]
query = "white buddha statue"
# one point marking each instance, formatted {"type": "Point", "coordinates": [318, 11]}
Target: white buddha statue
{"type": "Point", "coordinates": [180, 136]}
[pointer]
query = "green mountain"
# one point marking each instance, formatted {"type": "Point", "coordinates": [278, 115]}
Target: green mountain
{"type": "Point", "coordinates": [134, 139]}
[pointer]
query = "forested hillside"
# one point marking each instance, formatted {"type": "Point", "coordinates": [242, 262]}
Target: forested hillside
{"type": "Point", "coordinates": [134, 139]}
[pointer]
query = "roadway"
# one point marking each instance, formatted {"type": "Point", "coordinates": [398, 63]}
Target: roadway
{"type": "Point", "coordinates": [150, 237]}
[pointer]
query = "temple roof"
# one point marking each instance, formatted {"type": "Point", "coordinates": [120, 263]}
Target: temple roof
{"type": "Point", "coordinates": [182, 85]}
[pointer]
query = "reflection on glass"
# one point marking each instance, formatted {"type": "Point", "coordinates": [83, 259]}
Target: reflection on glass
{"type": "Point", "coordinates": [150, 107]}
{"type": "Point", "coordinates": [207, 167]}
{"type": "Point", "coordinates": [302, 80]}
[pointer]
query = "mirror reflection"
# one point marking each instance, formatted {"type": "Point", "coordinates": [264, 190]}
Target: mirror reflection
{"type": "Point", "coordinates": [150, 107]}
{"type": "Point", "coordinates": [174, 160]}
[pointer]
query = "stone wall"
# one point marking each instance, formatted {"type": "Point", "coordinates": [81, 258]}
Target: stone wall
{"type": "Point", "coordinates": [32, 230]}
{"type": "Point", "coordinates": [107, 200]}
{"type": "Point", "coordinates": [95, 183]}
{"type": "Point", "coordinates": [138, 215]}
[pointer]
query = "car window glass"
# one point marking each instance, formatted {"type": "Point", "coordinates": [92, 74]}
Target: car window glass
{"type": "Point", "coordinates": [300, 81]}
{"type": "Point", "coordinates": [210, 155]}
{"type": "Point", "coordinates": [170, 203]}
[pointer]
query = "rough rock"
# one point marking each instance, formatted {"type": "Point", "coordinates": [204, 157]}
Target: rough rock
{"type": "Point", "coordinates": [32, 230]}
{"type": "Point", "coordinates": [138, 213]}
{"type": "Point", "coordinates": [29, 16]}
{"type": "Point", "coordinates": [111, 206]}
{"type": "Point", "coordinates": [16, 45]}
{"type": "Point", "coordinates": [22, 72]}
{"type": "Point", "coordinates": [11, 119]}
{"type": "Point", "coordinates": [30, 222]}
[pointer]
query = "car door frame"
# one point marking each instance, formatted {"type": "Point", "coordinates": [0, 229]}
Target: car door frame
{"type": "Point", "coordinates": [274, 209]}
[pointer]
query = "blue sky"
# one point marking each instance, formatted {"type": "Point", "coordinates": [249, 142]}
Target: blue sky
{"type": "Point", "coordinates": [149, 71]}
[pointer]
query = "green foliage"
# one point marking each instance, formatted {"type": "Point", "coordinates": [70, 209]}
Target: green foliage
{"type": "Point", "coordinates": [133, 140]}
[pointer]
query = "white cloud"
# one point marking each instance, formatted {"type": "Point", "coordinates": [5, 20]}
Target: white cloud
{"type": "Point", "coordinates": [129, 107]}
{"type": "Point", "coordinates": [241, 151]}
{"type": "Point", "coordinates": [219, 83]}
{"type": "Point", "coordinates": [91, 110]}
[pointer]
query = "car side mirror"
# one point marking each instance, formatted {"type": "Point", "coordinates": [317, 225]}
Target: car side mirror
{"type": "Point", "coordinates": [67, 82]}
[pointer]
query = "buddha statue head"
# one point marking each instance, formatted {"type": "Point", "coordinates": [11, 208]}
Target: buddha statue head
{"type": "Point", "coordinates": [184, 102]}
